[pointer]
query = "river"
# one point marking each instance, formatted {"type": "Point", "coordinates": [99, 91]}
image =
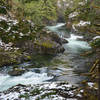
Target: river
{"type": "Point", "coordinates": [63, 67]}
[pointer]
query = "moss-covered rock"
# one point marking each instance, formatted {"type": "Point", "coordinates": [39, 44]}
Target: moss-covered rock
{"type": "Point", "coordinates": [16, 72]}
{"type": "Point", "coordinates": [49, 43]}
{"type": "Point", "coordinates": [8, 57]}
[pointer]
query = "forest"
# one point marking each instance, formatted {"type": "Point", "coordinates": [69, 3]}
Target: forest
{"type": "Point", "coordinates": [49, 49]}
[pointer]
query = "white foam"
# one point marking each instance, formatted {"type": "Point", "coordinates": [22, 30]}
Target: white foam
{"type": "Point", "coordinates": [55, 28]}
{"type": "Point", "coordinates": [74, 37]}
{"type": "Point", "coordinates": [7, 81]}
{"type": "Point", "coordinates": [76, 45]}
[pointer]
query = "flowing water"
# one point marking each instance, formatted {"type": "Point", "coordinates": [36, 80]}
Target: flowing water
{"type": "Point", "coordinates": [64, 67]}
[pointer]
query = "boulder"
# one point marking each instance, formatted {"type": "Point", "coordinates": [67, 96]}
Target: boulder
{"type": "Point", "coordinates": [9, 57]}
{"type": "Point", "coordinates": [58, 39]}
{"type": "Point", "coordinates": [46, 42]}
{"type": "Point", "coordinates": [64, 41]}
{"type": "Point", "coordinates": [49, 43]}
{"type": "Point", "coordinates": [16, 72]}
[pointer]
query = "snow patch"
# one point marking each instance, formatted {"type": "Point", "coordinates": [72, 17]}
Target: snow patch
{"type": "Point", "coordinates": [90, 84]}
{"type": "Point", "coordinates": [83, 23]}
{"type": "Point", "coordinates": [74, 14]}
{"type": "Point", "coordinates": [96, 37]}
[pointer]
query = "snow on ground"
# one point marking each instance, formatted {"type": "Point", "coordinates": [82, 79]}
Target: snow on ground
{"type": "Point", "coordinates": [83, 23]}
{"type": "Point", "coordinates": [80, 24]}
{"type": "Point", "coordinates": [96, 37]}
{"type": "Point", "coordinates": [47, 91]}
{"type": "Point", "coordinates": [74, 14]}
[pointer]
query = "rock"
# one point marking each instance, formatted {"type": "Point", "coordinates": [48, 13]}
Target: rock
{"type": "Point", "coordinates": [64, 40]}
{"type": "Point", "coordinates": [49, 43]}
{"type": "Point", "coordinates": [48, 48]}
{"type": "Point", "coordinates": [49, 91]}
{"type": "Point", "coordinates": [9, 57]}
{"type": "Point", "coordinates": [58, 39]}
{"type": "Point", "coordinates": [16, 72]}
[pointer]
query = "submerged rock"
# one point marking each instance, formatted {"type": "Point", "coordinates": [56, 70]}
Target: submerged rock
{"type": "Point", "coordinates": [16, 72]}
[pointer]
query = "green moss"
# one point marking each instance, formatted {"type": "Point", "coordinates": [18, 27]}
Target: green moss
{"type": "Point", "coordinates": [8, 57]}
{"type": "Point", "coordinates": [95, 43]}
{"type": "Point", "coordinates": [46, 44]}
{"type": "Point", "coordinates": [26, 96]}
{"type": "Point", "coordinates": [48, 94]}
{"type": "Point", "coordinates": [36, 91]}
{"type": "Point", "coordinates": [29, 57]}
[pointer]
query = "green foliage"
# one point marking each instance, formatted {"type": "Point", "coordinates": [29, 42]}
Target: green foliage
{"type": "Point", "coordinates": [74, 7]}
{"type": "Point", "coordinates": [95, 43]}
{"type": "Point", "coordinates": [86, 12]}
{"type": "Point", "coordinates": [22, 30]}
{"type": "Point", "coordinates": [39, 10]}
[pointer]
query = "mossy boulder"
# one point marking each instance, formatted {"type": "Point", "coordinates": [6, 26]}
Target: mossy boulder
{"type": "Point", "coordinates": [8, 57]}
{"type": "Point", "coordinates": [46, 42]}
{"type": "Point", "coordinates": [16, 72]}
{"type": "Point", "coordinates": [49, 43]}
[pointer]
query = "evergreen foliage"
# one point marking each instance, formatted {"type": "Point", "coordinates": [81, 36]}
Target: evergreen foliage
{"type": "Point", "coordinates": [39, 10]}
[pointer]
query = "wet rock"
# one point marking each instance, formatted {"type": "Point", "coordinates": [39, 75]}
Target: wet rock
{"type": "Point", "coordinates": [64, 41]}
{"type": "Point", "coordinates": [16, 72]}
{"type": "Point", "coordinates": [49, 43]}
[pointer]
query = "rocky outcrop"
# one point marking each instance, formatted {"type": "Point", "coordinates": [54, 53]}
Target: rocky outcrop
{"type": "Point", "coordinates": [46, 42]}
{"type": "Point", "coordinates": [9, 57]}
{"type": "Point", "coordinates": [49, 43]}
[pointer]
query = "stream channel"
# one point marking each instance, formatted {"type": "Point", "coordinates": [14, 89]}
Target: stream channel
{"type": "Point", "coordinates": [63, 67]}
